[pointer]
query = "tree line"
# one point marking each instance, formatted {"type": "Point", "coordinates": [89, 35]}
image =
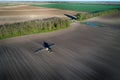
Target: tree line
{"type": "Point", "coordinates": [83, 16]}
{"type": "Point", "coordinates": [32, 27]}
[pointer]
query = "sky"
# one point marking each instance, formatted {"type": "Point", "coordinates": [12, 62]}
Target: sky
{"type": "Point", "coordinates": [59, 0]}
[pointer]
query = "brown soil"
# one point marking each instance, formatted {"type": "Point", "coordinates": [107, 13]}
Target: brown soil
{"type": "Point", "coordinates": [81, 52]}
{"type": "Point", "coordinates": [25, 12]}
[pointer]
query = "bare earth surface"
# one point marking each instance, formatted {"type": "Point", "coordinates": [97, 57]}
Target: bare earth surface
{"type": "Point", "coordinates": [81, 52]}
{"type": "Point", "coordinates": [24, 12]}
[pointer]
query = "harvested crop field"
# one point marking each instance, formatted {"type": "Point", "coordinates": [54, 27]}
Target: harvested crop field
{"type": "Point", "coordinates": [24, 12]}
{"type": "Point", "coordinates": [80, 52]}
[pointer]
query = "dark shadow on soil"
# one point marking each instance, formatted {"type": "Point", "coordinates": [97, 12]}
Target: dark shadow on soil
{"type": "Point", "coordinates": [71, 17]}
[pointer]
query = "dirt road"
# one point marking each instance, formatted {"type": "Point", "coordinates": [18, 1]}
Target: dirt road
{"type": "Point", "coordinates": [81, 52]}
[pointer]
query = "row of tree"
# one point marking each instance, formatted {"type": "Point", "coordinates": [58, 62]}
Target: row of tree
{"type": "Point", "coordinates": [83, 16]}
{"type": "Point", "coordinates": [31, 27]}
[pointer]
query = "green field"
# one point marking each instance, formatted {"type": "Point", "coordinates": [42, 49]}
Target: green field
{"type": "Point", "coordinates": [5, 4]}
{"type": "Point", "coordinates": [80, 7]}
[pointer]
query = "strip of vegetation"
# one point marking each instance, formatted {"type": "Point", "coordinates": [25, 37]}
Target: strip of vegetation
{"type": "Point", "coordinates": [32, 27]}
{"type": "Point", "coordinates": [83, 16]}
{"type": "Point", "coordinates": [7, 4]}
{"type": "Point", "coordinates": [79, 7]}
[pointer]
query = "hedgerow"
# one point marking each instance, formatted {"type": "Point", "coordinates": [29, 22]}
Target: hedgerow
{"type": "Point", "coordinates": [32, 27]}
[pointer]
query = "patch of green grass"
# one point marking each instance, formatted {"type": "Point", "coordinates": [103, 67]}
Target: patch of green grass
{"type": "Point", "coordinates": [80, 7]}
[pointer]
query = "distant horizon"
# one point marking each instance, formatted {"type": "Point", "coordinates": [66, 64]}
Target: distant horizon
{"type": "Point", "coordinates": [59, 1]}
{"type": "Point", "coordinates": [63, 0]}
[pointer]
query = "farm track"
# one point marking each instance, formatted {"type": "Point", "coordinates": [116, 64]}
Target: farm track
{"type": "Point", "coordinates": [81, 52]}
